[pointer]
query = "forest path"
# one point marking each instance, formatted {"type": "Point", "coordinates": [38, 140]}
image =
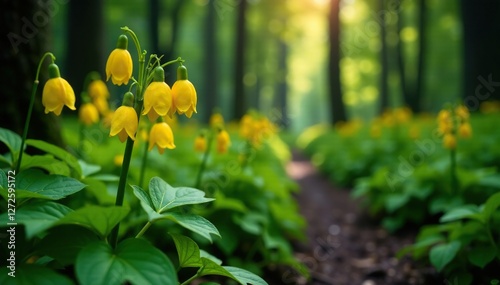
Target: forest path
{"type": "Point", "coordinates": [343, 246]}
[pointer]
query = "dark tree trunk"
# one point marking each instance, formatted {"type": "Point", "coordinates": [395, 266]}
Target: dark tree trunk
{"type": "Point", "coordinates": [384, 86]}
{"type": "Point", "coordinates": [239, 103]}
{"type": "Point", "coordinates": [154, 19]}
{"type": "Point", "coordinates": [210, 89]}
{"type": "Point", "coordinates": [282, 88]}
{"type": "Point", "coordinates": [25, 26]}
{"type": "Point", "coordinates": [481, 29]}
{"type": "Point", "coordinates": [412, 87]}
{"type": "Point", "coordinates": [85, 36]}
{"type": "Point", "coordinates": [337, 107]}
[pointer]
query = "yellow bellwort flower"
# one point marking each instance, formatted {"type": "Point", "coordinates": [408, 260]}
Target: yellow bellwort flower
{"type": "Point", "coordinates": [57, 92]}
{"type": "Point", "coordinates": [465, 130]}
{"type": "Point", "coordinates": [216, 120]}
{"type": "Point", "coordinates": [223, 141]}
{"type": "Point", "coordinates": [88, 114]}
{"type": "Point", "coordinates": [119, 65]}
{"type": "Point", "coordinates": [157, 97]}
{"type": "Point", "coordinates": [98, 89]}
{"type": "Point", "coordinates": [183, 94]}
{"type": "Point", "coordinates": [200, 143]}
{"type": "Point", "coordinates": [162, 136]}
{"type": "Point", "coordinates": [102, 105]}
{"type": "Point", "coordinates": [449, 141]}
{"type": "Point", "coordinates": [124, 122]}
{"type": "Point", "coordinates": [462, 112]}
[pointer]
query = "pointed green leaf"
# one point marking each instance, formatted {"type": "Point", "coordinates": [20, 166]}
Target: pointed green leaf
{"type": "Point", "coordinates": [88, 169]}
{"type": "Point", "coordinates": [245, 277]}
{"type": "Point", "coordinates": [31, 274]}
{"type": "Point", "coordinates": [209, 256]}
{"type": "Point", "coordinates": [47, 162]}
{"type": "Point", "coordinates": [57, 245]}
{"type": "Point", "coordinates": [146, 203]}
{"type": "Point", "coordinates": [463, 212]}
{"type": "Point", "coordinates": [212, 268]}
{"type": "Point", "coordinates": [187, 251]}
{"type": "Point", "coordinates": [491, 206]}
{"type": "Point", "coordinates": [133, 261]}
{"type": "Point", "coordinates": [52, 187]}
{"type": "Point", "coordinates": [57, 152]}
{"type": "Point", "coordinates": [442, 254]}
{"type": "Point", "coordinates": [482, 255]}
{"type": "Point", "coordinates": [195, 223]}
{"type": "Point", "coordinates": [166, 197]}
{"type": "Point", "coordinates": [99, 219]}
{"type": "Point", "coordinates": [38, 217]}
{"type": "Point", "coordinates": [11, 140]}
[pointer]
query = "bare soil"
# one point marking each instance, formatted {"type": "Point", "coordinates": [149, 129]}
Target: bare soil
{"type": "Point", "coordinates": [344, 245]}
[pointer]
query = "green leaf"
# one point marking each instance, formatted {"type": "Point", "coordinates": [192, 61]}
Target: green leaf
{"type": "Point", "coordinates": [187, 250]}
{"type": "Point", "coordinates": [395, 201]}
{"type": "Point", "coordinates": [142, 196]}
{"type": "Point", "coordinates": [88, 169]}
{"type": "Point", "coordinates": [133, 261]}
{"type": "Point", "coordinates": [52, 187]}
{"type": "Point", "coordinates": [3, 179]}
{"type": "Point", "coordinates": [481, 255]}
{"type": "Point", "coordinates": [99, 219]}
{"type": "Point", "coordinates": [209, 256]}
{"type": "Point", "coordinates": [57, 152]}
{"type": "Point", "coordinates": [212, 268]}
{"type": "Point", "coordinates": [38, 217]}
{"type": "Point", "coordinates": [57, 245]}
{"type": "Point", "coordinates": [463, 212]}
{"type": "Point", "coordinates": [99, 190]}
{"type": "Point", "coordinates": [245, 277]}
{"type": "Point", "coordinates": [442, 254]}
{"type": "Point", "coordinates": [47, 162]}
{"type": "Point", "coordinates": [195, 223]}
{"type": "Point", "coordinates": [11, 140]}
{"type": "Point", "coordinates": [491, 206]}
{"type": "Point", "coordinates": [30, 274]}
{"type": "Point", "coordinates": [166, 197]}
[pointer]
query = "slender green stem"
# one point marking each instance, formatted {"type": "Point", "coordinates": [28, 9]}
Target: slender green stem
{"type": "Point", "coordinates": [30, 109]}
{"type": "Point", "coordinates": [144, 229]}
{"type": "Point", "coordinates": [143, 164]}
{"type": "Point", "coordinates": [180, 60]}
{"type": "Point", "coordinates": [453, 171]}
{"type": "Point", "coordinates": [204, 162]}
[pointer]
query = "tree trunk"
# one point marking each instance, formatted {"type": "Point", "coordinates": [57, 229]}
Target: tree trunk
{"type": "Point", "coordinates": [85, 43]}
{"type": "Point", "coordinates": [282, 88]}
{"type": "Point", "coordinates": [211, 79]}
{"type": "Point", "coordinates": [384, 87]}
{"type": "Point", "coordinates": [239, 103]}
{"type": "Point", "coordinates": [154, 19]}
{"type": "Point", "coordinates": [481, 27]}
{"type": "Point", "coordinates": [26, 25]}
{"type": "Point", "coordinates": [337, 107]}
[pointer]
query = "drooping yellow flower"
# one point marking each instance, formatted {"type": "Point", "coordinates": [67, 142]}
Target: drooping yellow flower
{"type": "Point", "coordinates": [124, 122]}
{"type": "Point", "coordinates": [183, 94]}
{"type": "Point", "coordinates": [102, 105]}
{"type": "Point", "coordinates": [246, 126]}
{"type": "Point", "coordinates": [465, 130]}
{"type": "Point", "coordinates": [445, 122]}
{"type": "Point", "coordinates": [157, 97]}
{"type": "Point", "coordinates": [223, 141]}
{"type": "Point", "coordinates": [449, 141]}
{"type": "Point", "coordinates": [88, 114]}
{"type": "Point", "coordinates": [57, 92]}
{"type": "Point", "coordinates": [97, 89]}
{"type": "Point", "coordinates": [119, 65]}
{"type": "Point", "coordinates": [216, 120]}
{"type": "Point", "coordinates": [462, 112]}
{"type": "Point", "coordinates": [200, 143]}
{"type": "Point", "coordinates": [162, 136]}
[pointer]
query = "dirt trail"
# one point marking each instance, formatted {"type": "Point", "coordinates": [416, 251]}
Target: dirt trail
{"type": "Point", "coordinates": [343, 246]}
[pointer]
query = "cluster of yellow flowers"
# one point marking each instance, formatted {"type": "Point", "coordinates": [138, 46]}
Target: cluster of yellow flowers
{"type": "Point", "coordinates": [393, 118]}
{"type": "Point", "coordinates": [453, 122]}
{"type": "Point", "coordinates": [255, 128]}
{"type": "Point", "coordinates": [95, 103]}
{"type": "Point", "coordinates": [222, 137]}
{"type": "Point", "coordinates": [159, 99]}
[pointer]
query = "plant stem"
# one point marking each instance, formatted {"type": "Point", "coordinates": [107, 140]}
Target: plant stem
{"type": "Point", "coordinates": [144, 229]}
{"type": "Point", "coordinates": [143, 164]}
{"type": "Point", "coordinates": [30, 109]}
{"type": "Point", "coordinates": [203, 162]}
{"type": "Point", "coordinates": [453, 171]}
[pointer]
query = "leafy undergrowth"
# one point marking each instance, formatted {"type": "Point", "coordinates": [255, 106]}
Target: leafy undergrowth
{"type": "Point", "coordinates": [410, 174]}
